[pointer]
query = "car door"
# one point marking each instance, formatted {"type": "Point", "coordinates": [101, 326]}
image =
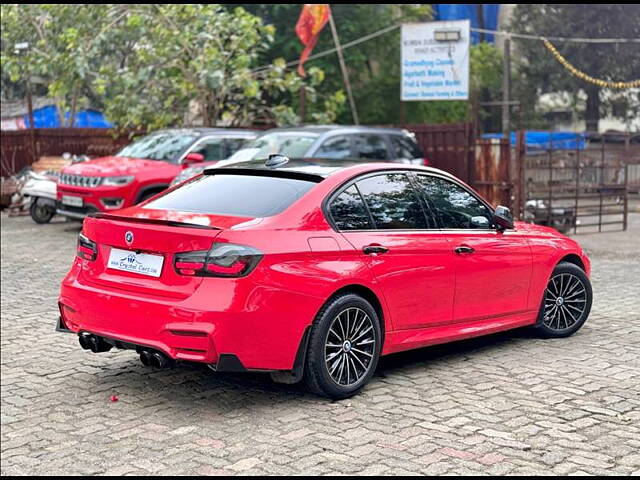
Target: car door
{"type": "Point", "coordinates": [382, 216]}
{"type": "Point", "coordinates": [493, 268]}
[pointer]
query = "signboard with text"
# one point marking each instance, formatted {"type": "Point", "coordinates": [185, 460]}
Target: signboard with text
{"type": "Point", "coordinates": [435, 61]}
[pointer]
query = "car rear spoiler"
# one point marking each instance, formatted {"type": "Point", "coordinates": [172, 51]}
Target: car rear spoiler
{"type": "Point", "coordinates": [155, 221]}
{"type": "Point", "coordinates": [264, 172]}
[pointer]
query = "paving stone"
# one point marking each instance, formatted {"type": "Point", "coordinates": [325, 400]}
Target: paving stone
{"type": "Point", "coordinates": [506, 404]}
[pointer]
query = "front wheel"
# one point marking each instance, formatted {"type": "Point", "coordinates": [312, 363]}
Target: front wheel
{"type": "Point", "coordinates": [566, 303]}
{"type": "Point", "coordinates": [344, 347]}
{"type": "Point", "coordinates": [40, 212]}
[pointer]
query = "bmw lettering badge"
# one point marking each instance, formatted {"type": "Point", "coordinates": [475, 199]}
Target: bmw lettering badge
{"type": "Point", "coordinates": [128, 237]}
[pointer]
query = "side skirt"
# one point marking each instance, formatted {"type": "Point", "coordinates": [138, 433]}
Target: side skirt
{"type": "Point", "coordinates": [400, 340]}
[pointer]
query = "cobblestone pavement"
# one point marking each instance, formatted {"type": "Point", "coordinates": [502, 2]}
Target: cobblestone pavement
{"type": "Point", "coordinates": [505, 404]}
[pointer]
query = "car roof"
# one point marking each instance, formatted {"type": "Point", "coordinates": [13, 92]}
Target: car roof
{"type": "Point", "coordinates": [320, 167]}
{"type": "Point", "coordinates": [202, 131]}
{"type": "Point", "coordinates": [321, 129]}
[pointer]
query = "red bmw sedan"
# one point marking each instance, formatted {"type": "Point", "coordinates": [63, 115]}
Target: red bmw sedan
{"type": "Point", "coordinates": [314, 269]}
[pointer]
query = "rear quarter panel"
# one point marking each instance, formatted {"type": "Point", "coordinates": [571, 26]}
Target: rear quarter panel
{"type": "Point", "coordinates": [301, 269]}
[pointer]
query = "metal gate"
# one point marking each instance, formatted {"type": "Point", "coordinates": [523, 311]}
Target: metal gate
{"type": "Point", "coordinates": [493, 174]}
{"type": "Point", "coordinates": [582, 190]}
{"type": "Point", "coordinates": [486, 165]}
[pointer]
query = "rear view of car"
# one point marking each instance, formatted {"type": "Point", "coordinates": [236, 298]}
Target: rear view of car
{"type": "Point", "coordinates": [311, 270]}
{"type": "Point", "coordinates": [180, 270]}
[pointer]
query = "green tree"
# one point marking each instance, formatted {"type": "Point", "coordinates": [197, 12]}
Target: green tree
{"type": "Point", "coordinates": [147, 65]}
{"type": "Point", "coordinates": [374, 66]}
{"type": "Point", "coordinates": [62, 41]}
{"type": "Point", "coordinates": [541, 73]}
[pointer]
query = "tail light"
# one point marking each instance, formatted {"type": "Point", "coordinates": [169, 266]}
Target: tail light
{"type": "Point", "coordinates": [87, 249]}
{"type": "Point", "coordinates": [426, 162]}
{"type": "Point", "coordinates": [222, 260]}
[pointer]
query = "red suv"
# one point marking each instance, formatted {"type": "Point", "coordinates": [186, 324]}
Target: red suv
{"type": "Point", "coordinates": [313, 271]}
{"type": "Point", "coordinates": [142, 169]}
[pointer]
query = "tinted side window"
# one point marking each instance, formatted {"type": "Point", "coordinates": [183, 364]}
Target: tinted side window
{"type": "Point", "coordinates": [371, 146]}
{"type": "Point", "coordinates": [454, 206]}
{"type": "Point", "coordinates": [238, 195]}
{"type": "Point", "coordinates": [235, 144]}
{"type": "Point", "coordinates": [211, 149]}
{"type": "Point", "coordinates": [336, 147]}
{"type": "Point", "coordinates": [348, 211]}
{"type": "Point", "coordinates": [405, 147]}
{"type": "Point", "coordinates": [392, 202]}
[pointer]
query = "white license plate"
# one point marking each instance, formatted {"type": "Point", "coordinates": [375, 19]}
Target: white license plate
{"type": "Point", "coordinates": [72, 201]}
{"type": "Point", "coordinates": [142, 263]}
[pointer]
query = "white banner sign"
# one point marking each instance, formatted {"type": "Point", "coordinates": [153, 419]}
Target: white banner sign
{"type": "Point", "coordinates": [435, 61]}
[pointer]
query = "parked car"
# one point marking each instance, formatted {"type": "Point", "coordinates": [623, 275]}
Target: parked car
{"type": "Point", "coordinates": [330, 142]}
{"type": "Point", "coordinates": [315, 270]}
{"type": "Point", "coordinates": [141, 169]}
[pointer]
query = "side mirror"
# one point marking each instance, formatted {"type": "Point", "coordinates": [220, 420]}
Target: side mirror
{"type": "Point", "coordinates": [193, 158]}
{"type": "Point", "coordinates": [503, 218]}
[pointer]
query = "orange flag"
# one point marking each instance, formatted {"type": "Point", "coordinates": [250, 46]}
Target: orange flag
{"type": "Point", "coordinates": [312, 20]}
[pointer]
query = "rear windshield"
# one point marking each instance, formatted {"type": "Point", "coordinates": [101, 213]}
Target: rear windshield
{"type": "Point", "coordinates": [235, 195]}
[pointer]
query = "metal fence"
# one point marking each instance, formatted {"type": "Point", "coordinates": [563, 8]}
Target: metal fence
{"type": "Point", "coordinates": [449, 147]}
{"type": "Point", "coordinates": [20, 148]}
{"type": "Point", "coordinates": [581, 190]}
{"type": "Point", "coordinates": [578, 190]}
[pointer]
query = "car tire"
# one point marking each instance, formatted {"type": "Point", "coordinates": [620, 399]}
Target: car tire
{"type": "Point", "coordinates": [566, 302]}
{"type": "Point", "coordinates": [41, 213]}
{"type": "Point", "coordinates": [344, 347]}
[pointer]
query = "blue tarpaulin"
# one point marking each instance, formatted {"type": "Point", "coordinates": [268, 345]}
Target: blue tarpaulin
{"type": "Point", "coordinates": [537, 140]}
{"type": "Point", "coordinates": [47, 117]}
{"type": "Point", "coordinates": [469, 11]}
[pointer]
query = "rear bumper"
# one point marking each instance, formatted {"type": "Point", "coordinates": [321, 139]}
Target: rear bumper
{"type": "Point", "coordinates": [220, 320]}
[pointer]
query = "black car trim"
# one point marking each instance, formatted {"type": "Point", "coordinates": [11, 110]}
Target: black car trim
{"type": "Point", "coordinates": [258, 172]}
{"type": "Point", "coordinates": [171, 223]}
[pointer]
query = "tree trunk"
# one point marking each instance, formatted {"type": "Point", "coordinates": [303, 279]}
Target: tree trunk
{"type": "Point", "coordinates": [204, 110]}
{"type": "Point", "coordinates": [592, 115]}
{"type": "Point", "coordinates": [74, 104]}
{"type": "Point", "coordinates": [61, 119]}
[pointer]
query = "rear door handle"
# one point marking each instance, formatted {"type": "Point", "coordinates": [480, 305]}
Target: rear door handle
{"type": "Point", "coordinates": [374, 249]}
{"type": "Point", "coordinates": [464, 249]}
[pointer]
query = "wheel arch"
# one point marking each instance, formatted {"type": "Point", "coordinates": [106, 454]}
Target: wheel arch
{"type": "Point", "coordinates": [574, 259]}
{"type": "Point", "coordinates": [369, 295]}
{"type": "Point", "coordinates": [153, 188]}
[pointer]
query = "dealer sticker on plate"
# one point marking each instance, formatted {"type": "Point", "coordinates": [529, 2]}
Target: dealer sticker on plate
{"type": "Point", "coordinates": [142, 263]}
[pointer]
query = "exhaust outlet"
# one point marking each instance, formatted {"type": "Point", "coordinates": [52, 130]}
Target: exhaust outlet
{"type": "Point", "coordinates": [145, 358]}
{"type": "Point", "coordinates": [84, 341]}
{"type": "Point", "coordinates": [93, 343]}
{"type": "Point", "coordinates": [160, 360]}
{"type": "Point", "coordinates": [151, 358]}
